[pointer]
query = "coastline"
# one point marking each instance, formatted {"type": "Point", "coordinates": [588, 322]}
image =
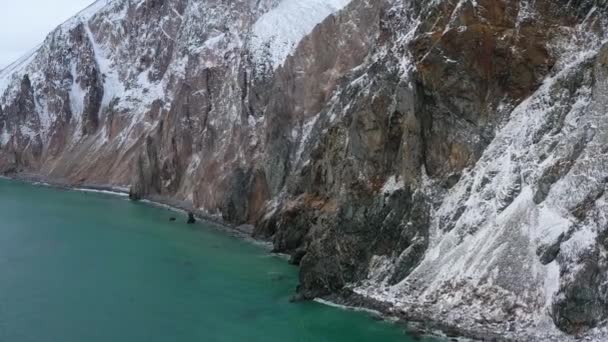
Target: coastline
{"type": "Point", "coordinates": [414, 323]}
{"type": "Point", "coordinates": [242, 232]}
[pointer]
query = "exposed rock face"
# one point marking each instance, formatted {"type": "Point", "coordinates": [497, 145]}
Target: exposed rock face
{"type": "Point", "coordinates": [446, 157]}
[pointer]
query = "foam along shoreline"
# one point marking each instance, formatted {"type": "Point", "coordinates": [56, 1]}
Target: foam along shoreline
{"type": "Point", "coordinates": [109, 190]}
{"type": "Point", "coordinates": [351, 308]}
{"type": "Point", "coordinates": [416, 325]}
{"type": "Point", "coordinates": [106, 192]}
{"type": "Point", "coordinates": [216, 222]}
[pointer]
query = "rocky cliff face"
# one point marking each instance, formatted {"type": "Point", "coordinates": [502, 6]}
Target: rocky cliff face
{"type": "Point", "coordinates": [444, 157]}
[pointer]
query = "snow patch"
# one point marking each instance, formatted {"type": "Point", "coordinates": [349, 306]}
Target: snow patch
{"type": "Point", "coordinates": [5, 137]}
{"type": "Point", "coordinates": [551, 224]}
{"type": "Point", "coordinates": [392, 184]}
{"type": "Point", "coordinates": [86, 14]}
{"type": "Point", "coordinates": [12, 71]}
{"type": "Point", "coordinates": [551, 282]}
{"type": "Point", "coordinates": [277, 33]}
{"type": "Point", "coordinates": [111, 84]}
{"type": "Point", "coordinates": [306, 130]}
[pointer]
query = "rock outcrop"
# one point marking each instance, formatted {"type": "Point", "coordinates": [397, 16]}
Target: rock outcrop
{"type": "Point", "coordinates": [443, 157]}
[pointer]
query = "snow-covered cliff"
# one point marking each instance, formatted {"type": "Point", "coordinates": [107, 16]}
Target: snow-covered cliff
{"type": "Point", "coordinates": [444, 158]}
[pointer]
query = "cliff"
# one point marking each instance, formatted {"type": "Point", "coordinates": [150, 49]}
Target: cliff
{"type": "Point", "coordinates": [444, 157]}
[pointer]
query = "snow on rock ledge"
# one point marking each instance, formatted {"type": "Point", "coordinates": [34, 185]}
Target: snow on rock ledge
{"type": "Point", "coordinates": [277, 33]}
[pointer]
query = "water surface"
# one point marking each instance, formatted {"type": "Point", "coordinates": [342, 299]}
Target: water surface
{"type": "Point", "coordinates": [78, 267]}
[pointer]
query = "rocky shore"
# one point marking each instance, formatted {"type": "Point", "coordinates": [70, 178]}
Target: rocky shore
{"type": "Point", "coordinates": [446, 157]}
{"type": "Point", "coordinates": [168, 203]}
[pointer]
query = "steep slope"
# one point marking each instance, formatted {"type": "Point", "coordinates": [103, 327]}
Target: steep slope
{"type": "Point", "coordinates": [442, 157]}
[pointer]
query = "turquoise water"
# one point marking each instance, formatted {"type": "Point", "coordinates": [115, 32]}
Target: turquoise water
{"type": "Point", "coordinates": [82, 267]}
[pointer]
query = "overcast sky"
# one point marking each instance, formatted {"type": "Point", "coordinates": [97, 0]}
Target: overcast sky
{"type": "Point", "coordinates": [25, 23]}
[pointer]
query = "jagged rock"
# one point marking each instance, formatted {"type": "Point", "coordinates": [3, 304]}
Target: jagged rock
{"type": "Point", "coordinates": [191, 218]}
{"type": "Point", "coordinates": [439, 157]}
{"type": "Point", "coordinates": [583, 303]}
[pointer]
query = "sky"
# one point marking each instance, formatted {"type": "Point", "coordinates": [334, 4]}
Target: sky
{"type": "Point", "coordinates": [25, 23]}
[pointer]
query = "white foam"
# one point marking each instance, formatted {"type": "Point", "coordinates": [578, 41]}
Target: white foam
{"type": "Point", "coordinates": [106, 192]}
{"type": "Point", "coordinates": [345, 307]}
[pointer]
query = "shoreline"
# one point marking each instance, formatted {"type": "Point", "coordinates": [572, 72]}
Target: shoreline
{"type": "Point", "coordinates": [414, 324]}
{"type": "Point", "coordinates": [161, 202]}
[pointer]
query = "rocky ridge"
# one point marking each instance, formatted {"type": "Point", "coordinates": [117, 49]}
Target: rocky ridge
{"type": "Point", "coordinates": [443, 157]}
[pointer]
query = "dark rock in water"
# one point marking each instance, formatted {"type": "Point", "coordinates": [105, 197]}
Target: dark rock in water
{"type": "Point", "coordinates": [191, 219]}
{"type": "Point", "coordinates": [134, 195]}
{"type": "Point", "coordinates": [297, 298]}
{"type": "Point", "coordinates": [172, 219]}
{"type": "Point", "coordinates": [297, 256]}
